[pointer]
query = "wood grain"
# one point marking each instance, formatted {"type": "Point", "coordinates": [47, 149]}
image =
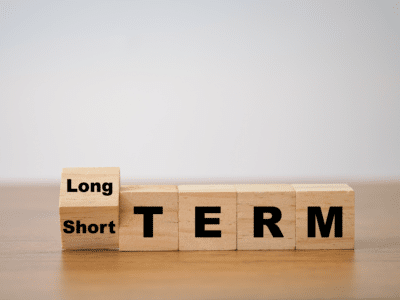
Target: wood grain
{"type": "Point", "coordinates": [281, 196]}
{"type": "Point", "coordinates": [192, 196]}
{"type": "Point", "coordinates": [89, 208]}
{"type": "Point", "coordinates": [34, 267]}
{"type": "Point", "coordinates": [165, 225]}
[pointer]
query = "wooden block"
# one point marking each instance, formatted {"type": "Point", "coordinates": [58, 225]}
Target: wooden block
{"type": "Point", "coordinates": [266, 216]}
{"type": "Point", "coordinates": [89, 208]}
{"type": "Point", "coordinates": [207, 217]}
{"type": "Point", "coordinates": [324, 216]}
{"type": "Point", "coordinates": [148, 218]}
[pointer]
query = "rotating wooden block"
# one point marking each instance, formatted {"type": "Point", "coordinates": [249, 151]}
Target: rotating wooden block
{"type": "Point", "coordinates": [148, 218]}
{"type": "Point", "coordinates": [324, 216]}
{"type": "Point", "coordinates": [89, 208]}
{"type": "Point", "coordinates": [266, 216]}
{"type": "Point", "coordinates": [207, 217]}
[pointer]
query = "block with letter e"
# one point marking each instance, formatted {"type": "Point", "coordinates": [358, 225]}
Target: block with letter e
{"type": "Point", "coordinates": [324, 216]}
{"type": "Point", "coordinates": [148, 218]}
{"type": "Point", "coordinates": [266, 216]}
{"type": "Point", "coordinates": [207, 217]}
{"type": "Point", "coordinates": [89, 208]}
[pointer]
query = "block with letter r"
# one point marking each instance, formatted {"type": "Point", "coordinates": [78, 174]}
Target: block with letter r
{"type": "Point", "coordinates": [266, 217]}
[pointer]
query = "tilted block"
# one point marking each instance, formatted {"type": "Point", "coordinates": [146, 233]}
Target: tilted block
{"type": "Point", "coordinates": [266, 216]}
{"type": "Point", "coordinates": [324, 216]}
{"type": "Point", "coordinates": [148, 218]}
{"type": "Point", "coordinates": [207, 217]}
{"type": "Point", "coordinates": [89, 208]}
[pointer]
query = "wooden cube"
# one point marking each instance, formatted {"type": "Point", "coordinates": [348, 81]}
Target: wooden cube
{"type": "Point", "coordinates": [148, 218]}
{"type": "Point", "coordinates": [207, 217]}
{"type": "Point", "coordinates": [89, 208]}
{"type": "Point", "coordinates": [266, 217]}
{"type": "Point", "coordinates": [324, 216]}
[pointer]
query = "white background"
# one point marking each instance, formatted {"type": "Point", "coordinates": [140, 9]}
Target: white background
{"type": "Point", "coordinates": [203, 89]}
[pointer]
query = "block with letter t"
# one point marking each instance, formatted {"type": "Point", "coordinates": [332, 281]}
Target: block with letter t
{"type": "Point", "coordinates": [148, 218]}
{"type": "Point", "coordinates": [89, 208]}
{"type": "Point", "coordinates": [324, 216]}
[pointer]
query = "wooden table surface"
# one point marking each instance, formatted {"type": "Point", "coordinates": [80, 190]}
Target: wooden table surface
{"type": "Point", "coordinates": [32, 265]}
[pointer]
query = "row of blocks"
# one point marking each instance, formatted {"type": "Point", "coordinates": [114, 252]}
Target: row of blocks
{"type": "Point", "coordinates": [97, 213]}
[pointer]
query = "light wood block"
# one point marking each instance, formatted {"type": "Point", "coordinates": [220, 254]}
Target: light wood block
{"type": "Point", "coordinates": [273, 202]}
{"type": "Point", "coordinates": [92, 198]}
{"type": "Point", "coordinates": [147, 229]}
{"type": "Point", "coordinates": [333, 198]}
{"type": "Point", "coordinates": [197, 200]}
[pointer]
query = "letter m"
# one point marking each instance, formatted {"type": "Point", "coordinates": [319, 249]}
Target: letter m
{"type": "Point", "coordinates": [335, 212]}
